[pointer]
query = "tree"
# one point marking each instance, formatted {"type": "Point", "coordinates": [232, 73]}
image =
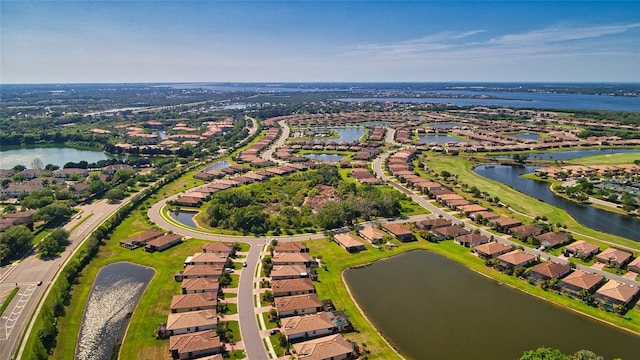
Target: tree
{"type": "Point", "coordinates": [115, 195]}
{"type": "Point", "coordinates": [544, 353]}
{"type": "Point", "coordinates": [14, 242]}
{"type": "Point", "coordinates": [37, 164]}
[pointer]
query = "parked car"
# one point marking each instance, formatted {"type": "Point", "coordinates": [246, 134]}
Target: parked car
{"type": "Point", "coordinates": [244, 264]}
{"type": "Point", "coordinates": [229, 270]}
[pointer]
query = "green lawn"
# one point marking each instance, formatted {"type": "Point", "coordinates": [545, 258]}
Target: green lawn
{"type": "Point", "coordinates": [235, 328]}
{"type": "Point", "coordinates": [608, 159]}
{"type": "Point", "coordinates": [7, 301]}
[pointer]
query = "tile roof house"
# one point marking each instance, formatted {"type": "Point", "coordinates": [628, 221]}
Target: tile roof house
{"type": "Point", "coordinates": [614, 257]}
{"type": "Point", "coordinates": [298, 305]}
{"type": "Point", "coordinates": [471, 240]}
{"type": "Point", "coordinates": [581, 280]}
{"type": "Point", "coordinates": [200, 271]}
{"type": "Point", "coordinates": [332, 347]}
{"type": "Point", "coordinates": [515, 258]}
{"type": "Point", "coordinates": [505, 223]}
{"type": "Point", "coordinates": [289, 287]}
{"type": "Point", "coordinates": [199, 285]}
{"type": "Point", "coordinates": [139, 240]}
{"type": "Point", "coordinates": [371, 234]}
{"type": "Point", "coordinates": [617, 293]}
{"type": "Point", "coordinates": [581, 248]}
{"type": "Point", "coordinates": [398, 231]}
{"type": "Point", "coordinates": [491, 249]}
{"type": "Point", "coordinates": [634, 265]}
{"type": "Point", "coordinates": [524, 231]}
{"type": "Point", "coordinates": [349, 242]}
{"type": "Point", "coordinates": [288, 247]}
{"type": "Point", "coordinates": [195, 345]}
{"type": "Point", "coordinates": [281, 272]}
{"type": "Point", "coordinates": [448, 232]}
{"type": "Point", "coordinates": [194, 302]}
{"type": "Point", "coordinates": [207, 259]}
{"type": "Point", "coordinates": [429, 224]}
{"type": "Point", "coordinates": [291, 258]}
{"type": "Point", "coordinates": [553, 239]}
{"type": "Point", "coordinates": [548, 270]}
{"type": "Point", "coordinates": [192, 321]}
{"type": "Point", "coordinates": [163, 242]}
{"type": "Point", "coordinates": [308, 326]}
{"type": "Point", "coordinates": [218, 247]}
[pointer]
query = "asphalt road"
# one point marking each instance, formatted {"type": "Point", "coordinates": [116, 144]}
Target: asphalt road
{"type": "Point", "coordinates": [31, 269]}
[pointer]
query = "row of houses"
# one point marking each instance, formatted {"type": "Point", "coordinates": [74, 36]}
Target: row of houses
{"type": "Point", "coordinates": [192, 322]}
{"type": "Point", "coordinates": [575, 282]}
{"type": "Point", "coordinates": [311, 325]}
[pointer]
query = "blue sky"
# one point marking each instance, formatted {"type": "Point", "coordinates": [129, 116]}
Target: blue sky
{"type": "Point", "coordinates": [369, 41]}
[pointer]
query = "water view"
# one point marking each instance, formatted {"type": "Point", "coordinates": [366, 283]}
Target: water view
{"type": "Point", "coordinates": [440, 139]}
{"type": "Point", "coordinates": [218, 166]}
{"type": "Point", "coordinates": [346, 134]}
{"type": "Point", "coordinates": [114, 296]}
{"type": "Point", "coordinates": [12, 156]}
{"type": "Point", "coordinates": [325, 157]}
{"type": "Point", "coordinates": [184, 217]}
{"type": "Point", "coordinates": [434, 308]}
{"type": "Point", "coordinates": [605, 221]}
{"type": "Point", "coordinates": [526, 135]}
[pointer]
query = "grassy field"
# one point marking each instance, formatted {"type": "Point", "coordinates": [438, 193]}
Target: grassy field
{"type": "Point", "coordinates": [7, 301]}
{"type": "Point", "coordinates": [608, 159]}
{"type": "Point", "coordinates": [521, 205]}
{"type": "Point", "coordinates": [332, 286]}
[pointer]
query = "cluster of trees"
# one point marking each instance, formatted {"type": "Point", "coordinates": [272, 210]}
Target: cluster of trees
{"type": "Point", "coordinates": [14, 242]}
{"type": "Point", "coordinates": [279, 204]}
{"type": "Point", "coordinates": [545, 353]}
{"type": "Point", "coordinates": [53, 244]}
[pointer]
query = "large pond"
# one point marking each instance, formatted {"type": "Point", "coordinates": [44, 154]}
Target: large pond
{"type": "Point", "coordinates": [440, 139]}
{"type": "Point", "coordinates": [113, 298]}
{"type": "Point", "coordinates": [589, 216]}
{"type": "Point", "coordinates": [12, 156]}
{"type": "Point", "coordinates": [345, 134]}
{"type": "Point", "coordinates": [433, 308]}
{"type": "Point", "coordinates": [325, 157]}
{"type": "Point", "coordinates": [184, 217]}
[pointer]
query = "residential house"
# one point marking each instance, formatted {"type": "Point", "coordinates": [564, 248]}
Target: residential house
{"type": "Point", "coordinates": [290, 287]}
{"type": "Point", "coordinates": [162, 243]}
{"type": "Point", "coordinates": [398, 231]}
{"type": "Point", "coordinates": [471, 240]}
{"type": "Point", "coordinates": [199, 285]}
{"type": "Point", "coordinates": [291, 258]}
{"type": "Point", "coordinates": [207, 259]}
{"type": "Point", "coordinates": [371, 234]}
{"type": "Point", "coordinates": [65, 173]}
{"type": "Point", "coordinates": [581, 280]}
{"type": "Point", "coordinates": [192, 321]}
{"type": "Point", "coordinates": [523, 232]}
{"type": "Point", "coordinates": [141, 239]}
{"type": "Point", "coordinates": [486, 215]}
{"type": "Point", "coordinates": [186, 200]}
{"type": "Point", "coordinates": [291, 247]}
{"type": "Point", "coordinates": [516, 258]}
{"type": "Point", "coordinates": [614, 257]}
{"type": "Point", "coordinates": [332, 347]}
{"type": "Point", "coordinates": [308, 326]}
{"type": "Point", "coordinates": [505, 223]}
{"type": "Point", "coordinates": [634, 265]}
{"type": "Point", "coordinates": [470, 209]}
{"type": "Point", "coordinates": [200, 271]}
{"type": "Point", "coordinates": [195, 345]}
{"type": "Point", "coordinates": [581, 249]}
{"type": "Point", "coordinates": [298, 305]}
{"type": "Point", "coordinates": [617, 293]}
{"type": "Point", "coordinates": [553, 239]}
{"type": "Point", "coordinates": [548, 270]}
{"type": "Point", "coordinates": [349, 242]}
{"type": "Point", "coordinates": [491, 250]}
{"type": "Point", "coordinates": [194, 302]}
{"type": "Point", "coordinates": [430, 224]}
{"type": "Point", "coordinates": [218, 247]}
{"type": "Point", "coordinates": [281, 272]}
{"type": "Point", "coordinates": [448, 232]}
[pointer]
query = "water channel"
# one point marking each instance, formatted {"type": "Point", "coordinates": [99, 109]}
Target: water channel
{"type": "Point", "coordinates": [601, 220]}
{"type": "Point", "coordinates": [433, 308]}
{"type": "Point", "coordinates": [114, 296]}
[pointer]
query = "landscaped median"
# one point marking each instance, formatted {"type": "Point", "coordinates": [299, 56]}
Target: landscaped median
{"type": "Point", "coordinates": [336, 260]}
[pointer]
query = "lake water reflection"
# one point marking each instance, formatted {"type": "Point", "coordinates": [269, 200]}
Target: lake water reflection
{"type": "Point", "coordinates": [325, 157]}
{"type": "Point", "coordinates": [433, 308]}
{"type": "Point", "coordinates": [12, 156]}
{"type": "Point", "coordinates": [114, 295]}
{"type": "Point", "coordinates": [184, 217]}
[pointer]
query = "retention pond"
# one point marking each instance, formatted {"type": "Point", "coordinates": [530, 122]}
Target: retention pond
{"type": "Point", "coordinates": [431, 307]}
{"type": "Point", "coordinates": [114, 295]}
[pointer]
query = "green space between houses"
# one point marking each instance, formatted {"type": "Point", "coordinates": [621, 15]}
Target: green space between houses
{"type": "Point", "coordinates": [331, 286]}
{"type": "Point", "coordinates": [521, 205]}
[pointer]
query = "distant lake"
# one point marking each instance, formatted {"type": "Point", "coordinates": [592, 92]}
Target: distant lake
{"type": "Point", "coordinates": [325, 157]}
{"type": "Point", "coordinates": [431, 307]}
{"type": "Point", "coordinates": [526, 100]}
{"type": "Point", "coordinates": [56, 155]}
{"type": "Point", "coordinates": [526, 135]}
{"type": "Point", "coordinates": [218, 166]}
{"type": "Point", "coordinates": [440, 139]}
{"type": "Point", "coordinates": [346, 134]}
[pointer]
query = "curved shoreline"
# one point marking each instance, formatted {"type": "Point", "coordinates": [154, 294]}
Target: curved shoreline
{"type": "Point", "coordinates": [550, 301]}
